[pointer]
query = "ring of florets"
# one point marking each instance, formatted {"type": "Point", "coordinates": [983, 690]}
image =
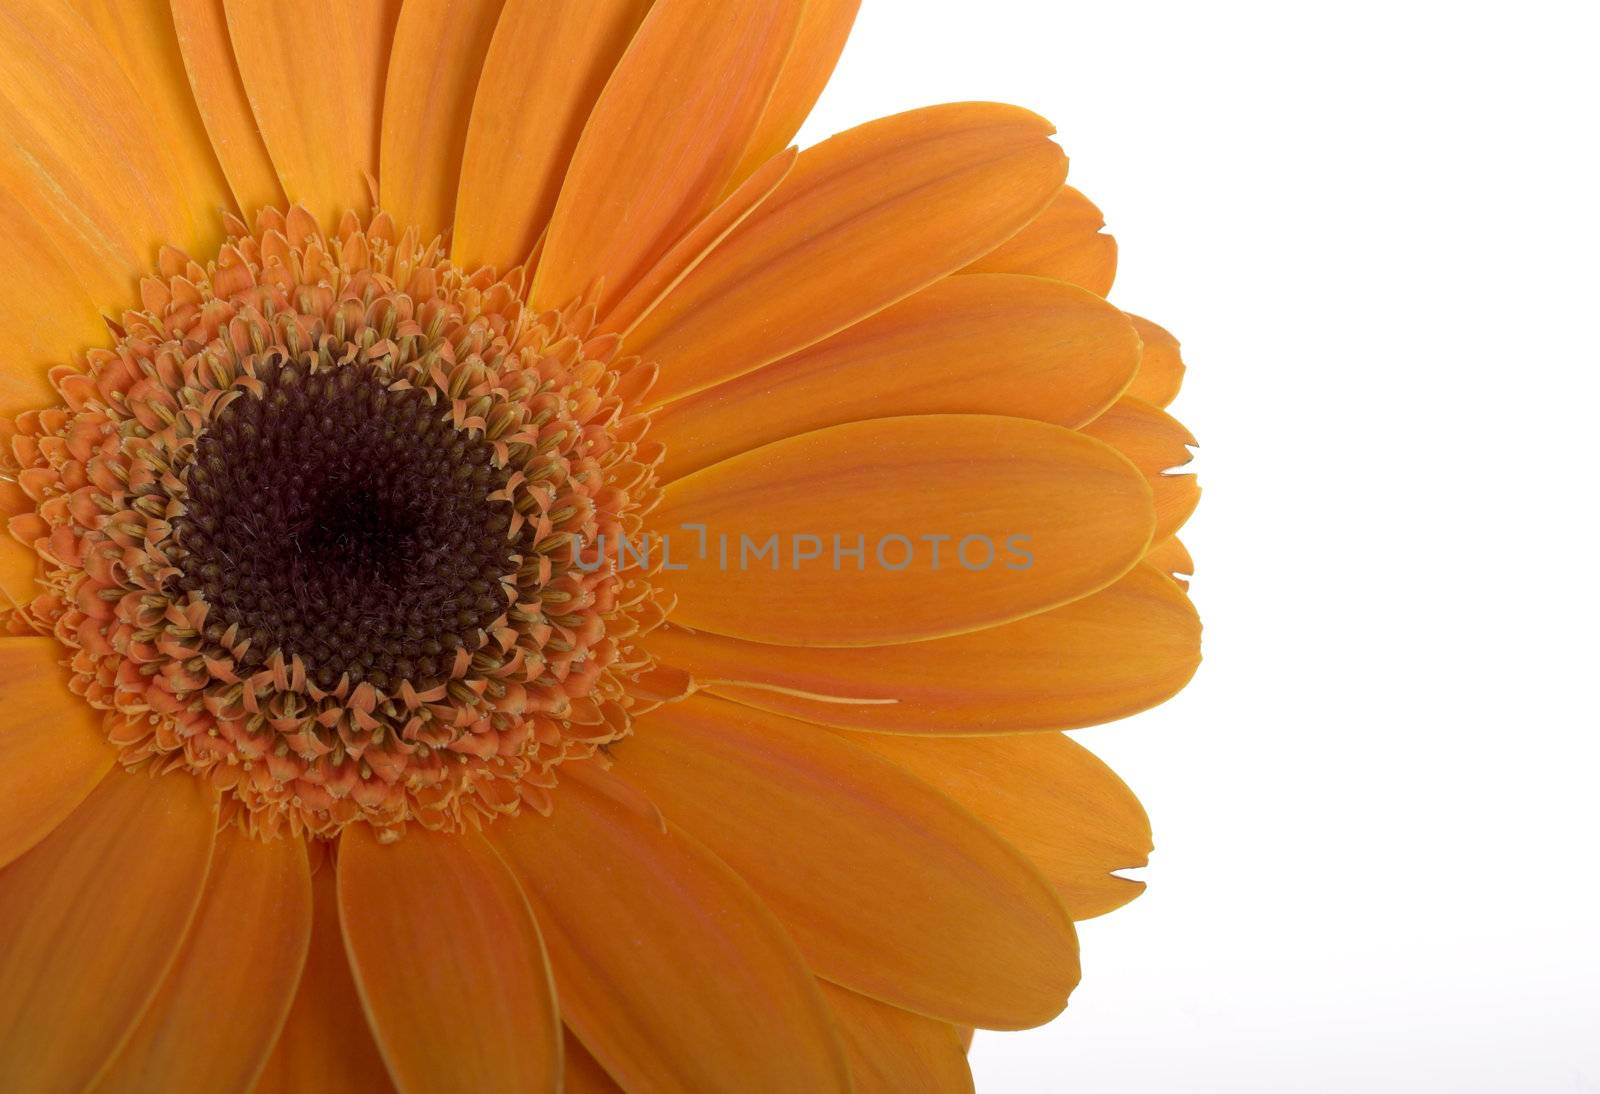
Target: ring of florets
{"type": "Point", "coordinates": [309, 530]}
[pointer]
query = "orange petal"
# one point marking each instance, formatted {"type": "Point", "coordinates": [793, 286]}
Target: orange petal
{"type": "Point", "coordinates": [202, 34]}
{"type": "Point", "coordinates": [994, 344]}
{"type": "Point", "coordinates": [864, 220]}
{"type": "Point", "coordinates": [326, 1044]}
{"type": "Point", "coordinates": [663, 142]}
{"type": "Point", "coordinates": [527, 117]}
{"type": "Point", "coordinates": [52, 753]}
{"type": "Point", "coordinates": [438, 55]}
{"type": "Point", "coordinates": [1107, 656]}
{"type": "Point", "coordinates": [1051, 797]}
{"type": "Point", "coordinates": [46, 318]}
{"type": "Point", "coordinates": [692, 249]}
{"type": "Point", "coordinates": [824, 28]}
{"type": "Point", "coordinates": [1161, 368]}
{"type": "Point", "coordinates": [141, 35]}
{"type": "Point", "coordinates": [19, 563]}
{"type": "Point", "coordinates": [242, 959]}
{"type": "Point", "coordinates": [314, 73]}
{"type": "Point", "coordinates": [888, 887]}
{"type": "Point", "coordinates": [583, 1073]}
{"type": "Point", "coordinates": [1171, 557]}
{"type": "Point", "coordinates": [892, 1050]}
{"type": "Point", "coordinates": [668, 967]}
{"type": "Point", "coordinates": [449, 962]}
{"type": "Point", "coordinates": [92, 919]}
{"type": "Point", "coordinates": [1065, 243]}
{"type": "Point", "coordinates": [81, 157]}
{"type": "Point", "coordinates": [1157, 444]}
{"type": "Point", "coordinates": [1031, 516]}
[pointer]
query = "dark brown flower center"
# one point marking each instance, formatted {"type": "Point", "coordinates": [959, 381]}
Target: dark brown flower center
{"type": "Point", "coordinates": [346, 522]}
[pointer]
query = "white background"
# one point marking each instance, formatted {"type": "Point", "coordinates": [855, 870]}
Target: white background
{"type": "Point", "coordinates": [1374, 228]}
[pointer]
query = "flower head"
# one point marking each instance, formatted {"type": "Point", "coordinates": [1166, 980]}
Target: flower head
{"type": "Point", "coordinates": [517, 577]}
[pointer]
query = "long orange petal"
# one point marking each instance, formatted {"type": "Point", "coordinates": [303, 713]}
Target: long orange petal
{"type": "Point", "coordinates": [219, 94]}
{"type": "Point", "coordinates": [701, 240]}
{"type": "Point", "coordinates": [1065, 243]}
{"type": "Point", "coordinates": [892, 1050]}
{"type": "Point", "coordinates": [1031, 516]}
{"type": "Point", "coordinates": [314, 73]}
{"type": "Point", "coordinates": [326, 1044]}
{"type": "Point", "coordinates": [92, 919]}
{"type": "Point", "coordinates": [1161, 368]}
{"type": "Point", "coordinates": [46, 318]}
{"type": "Point", "coordinates": [663, 142]}
{"type": "Point", "coordinates": [1120, 651]}
{"type": "Point", "coordinates": [52, 753]}
{"type": "Point", "coordinates": [888, 887]}
{"type": "Point", "coordinates": [1172, 558]}
{"type": "Point", "coordinates": [582, 1073]}
{"type": "Point", "coordinates": [527, 116]}
{"type": "Point", "coordinates": [242, 959]}
{"type": "Point", "coordinates": [864, 220]}
{"type": "Point", "coordinates": [80, 156]}
{"type": "Point", "coordinates": [1051, 797]}
{"type": "Point", "coordinates": [993, 344]}
{"type": "Point", "coordinates": [824, 29]}
{"type": "Point", "coordinates": [142, 37]}
{"type": "Point", "coordinates": [449, 962]}
{"type": "Point", "coordinates": [1157, 444]}
{"type": "Point", "coordinates": [636, 917]}
{"type": "Point", "coordinates": [434, 68]}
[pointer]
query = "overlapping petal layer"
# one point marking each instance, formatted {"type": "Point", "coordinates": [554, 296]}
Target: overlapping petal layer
{"type": "Point", "coordinates": [52, 752]}
{"type": "Point", "coordinates": [92, 919]}
{"type": "Point", "coordinates": [635, 917]}
{"type": "Point", "coordinates": [864, 220]}
{"type": "Point", "coordinates": [449, 962]}
{"type": "Point", "coordinates": [1120, 651]}
{"type": "Point", "coordinates": [1065, 243]}
{"type": "Point", "coordinates": [1025, 347]}
{"type": "Point", "coordinates": [888, 886]}
{"type": "Point", "coordinates": [242, 960]}
{"type": "Point", "coordinates": [959, 522]}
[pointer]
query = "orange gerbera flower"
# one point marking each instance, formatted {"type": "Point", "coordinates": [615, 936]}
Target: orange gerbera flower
{"type": "Point", "coordinates": [517, 579]}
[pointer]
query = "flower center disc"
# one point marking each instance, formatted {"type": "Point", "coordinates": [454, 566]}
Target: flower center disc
{"type": "Point", "coordinates": [310, 531]}
{"type": "Point", "coordinates": [347, 525]}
